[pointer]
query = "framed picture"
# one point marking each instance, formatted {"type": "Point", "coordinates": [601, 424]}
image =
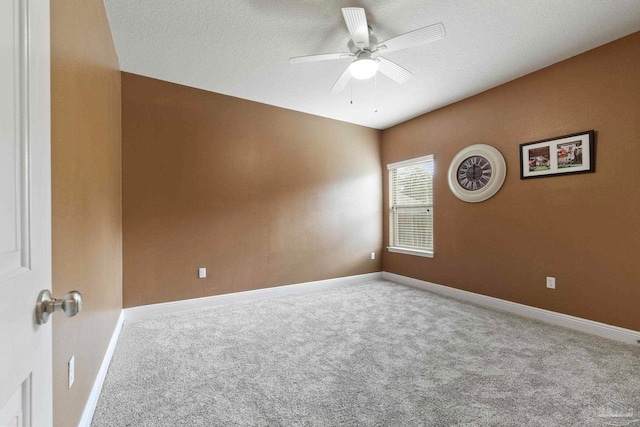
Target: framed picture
{"type": "Point", "coordinates": [561, 155]}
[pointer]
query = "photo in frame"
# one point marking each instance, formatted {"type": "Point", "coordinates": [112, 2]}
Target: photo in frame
{"type": "Point", "coordinates": [561, 155]}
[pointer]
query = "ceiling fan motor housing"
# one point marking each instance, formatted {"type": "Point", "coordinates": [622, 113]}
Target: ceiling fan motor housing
{"type": "Point", "coordinates": [373, 45]}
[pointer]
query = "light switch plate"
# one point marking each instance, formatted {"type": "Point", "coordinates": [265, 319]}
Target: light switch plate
{"type": "Point", "coordinates": [72, 369]}
{"type": "Point", "coordinates": [202, 272]}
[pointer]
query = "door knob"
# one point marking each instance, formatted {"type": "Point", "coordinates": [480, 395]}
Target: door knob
{"type": "Point", "coordinates": [70, 305]}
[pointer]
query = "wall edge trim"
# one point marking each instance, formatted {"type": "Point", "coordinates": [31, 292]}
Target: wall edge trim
{"type": "Point", "coordinates": [592, 327]}
{"type": "Point", "coordinates": [154, 310]}
{"type": "Point", "coordinates": [92, 402]}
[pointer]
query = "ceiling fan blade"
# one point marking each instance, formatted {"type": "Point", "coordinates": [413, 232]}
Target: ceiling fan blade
{"type": "Point", "coordinates": [342, 81]}
{"type": "Point", "coordinates": [356, 21]}
{"type": "Point", "coordinates": [413, 38]}
{"type": "Point", "coordinates": [321, 57]}
{"type": "Point", "coordinates": [393, 70]}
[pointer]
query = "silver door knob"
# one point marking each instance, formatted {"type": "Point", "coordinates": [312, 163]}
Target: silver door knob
{"type": "Point", "coordinates": [70, 305]}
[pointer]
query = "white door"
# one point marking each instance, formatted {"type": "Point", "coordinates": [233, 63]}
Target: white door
{"type": "Point", "coordinates": [25, 212]}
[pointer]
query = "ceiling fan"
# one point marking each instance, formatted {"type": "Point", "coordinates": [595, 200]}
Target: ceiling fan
{"type": "Point", "coordinates": [365, 47]}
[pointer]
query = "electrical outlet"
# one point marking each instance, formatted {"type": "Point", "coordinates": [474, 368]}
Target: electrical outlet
{"type": "Point", "coordinates": [551, 282]}
{"type": "Point", "coordinates": [373, 255]}
{"type": "Point", "coordinates": [72, 369]}
{"type": "Point", "coordinates": [202, 272]}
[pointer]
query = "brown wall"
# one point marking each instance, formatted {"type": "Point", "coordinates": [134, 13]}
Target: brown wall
{"type": "Point", "coordinates": [86, 195]}
{"type": "Point", "coordinates": [582, 229]}
{"type": "Point", "coordinates": [260, 195]}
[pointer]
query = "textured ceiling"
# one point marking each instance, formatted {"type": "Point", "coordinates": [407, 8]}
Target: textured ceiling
{"type": "Point", "coordinates": [241, 48]}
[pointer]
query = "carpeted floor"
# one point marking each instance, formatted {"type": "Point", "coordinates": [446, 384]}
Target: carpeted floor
{"type": "Point", "coordinates": [371, 354]}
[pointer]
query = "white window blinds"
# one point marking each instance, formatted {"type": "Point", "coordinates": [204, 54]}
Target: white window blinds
{"type": "Point", "coordinates": [411, 206]}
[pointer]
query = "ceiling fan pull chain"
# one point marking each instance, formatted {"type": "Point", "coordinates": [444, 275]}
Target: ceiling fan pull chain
{"type": "Point", "coordinates": [351, 86]}
{"type": "Point", "coordinates": [375, 93]}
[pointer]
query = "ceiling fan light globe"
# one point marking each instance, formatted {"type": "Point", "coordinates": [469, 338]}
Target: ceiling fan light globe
{"type": "Point", "coordinates": [364, 68]}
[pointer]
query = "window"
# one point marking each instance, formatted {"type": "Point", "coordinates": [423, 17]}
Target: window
{"type": "Point", "coordinates": [411, 206]}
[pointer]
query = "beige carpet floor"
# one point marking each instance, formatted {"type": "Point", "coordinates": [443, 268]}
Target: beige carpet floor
{"type": "Point", "coordinates": [374, 354]}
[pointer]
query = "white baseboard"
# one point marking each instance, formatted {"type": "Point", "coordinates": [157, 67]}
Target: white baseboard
{"type": "Point", "coordinates": [92, 402]}
{"type": "Point", "coordinates": [577, 323]}
{"type": "Point", "coordinates": [153, 310]}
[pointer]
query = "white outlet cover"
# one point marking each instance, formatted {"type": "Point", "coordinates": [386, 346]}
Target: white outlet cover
{"type": "Point", "coordinates": [202, 272]}
{"type": "Point", "coordinates": [72, 368]}
{"type": "Point", "coordinates": [373, 255]}
{"type": "Point", "coordinates": [551, 282]}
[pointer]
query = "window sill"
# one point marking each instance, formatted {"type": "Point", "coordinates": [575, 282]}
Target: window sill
{"type": "Point", "coordinates": [416, 252]}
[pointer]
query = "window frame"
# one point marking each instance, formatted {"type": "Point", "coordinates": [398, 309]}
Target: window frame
{"type": "Point", "coordinates": [428, 253]}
